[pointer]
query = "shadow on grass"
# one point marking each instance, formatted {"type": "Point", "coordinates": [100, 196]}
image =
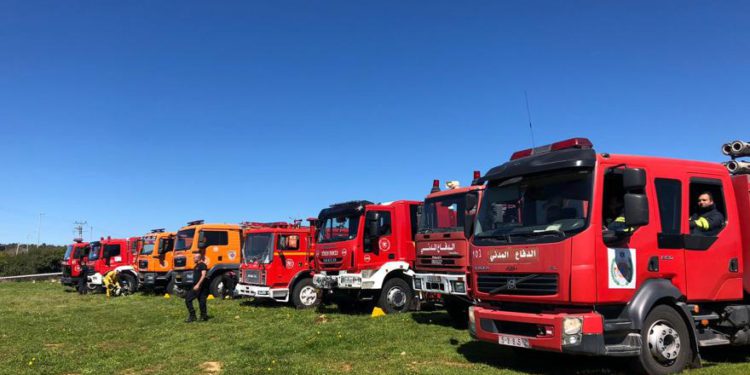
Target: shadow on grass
{"type": "Point", "coordinates": [539, 362]}
{"type": "Point", "coordinates": [713, 356]}
{"type": "Point", "coordinates": [440, 318]}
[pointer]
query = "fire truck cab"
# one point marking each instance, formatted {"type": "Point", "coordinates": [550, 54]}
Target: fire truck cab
{"type": "Point", "coordinates": [155, 259]}
{"type": "Point", "coordinates": [112, 254]}
{"type": "Point", "coordinates": [277, 263]}
{"type": "Point", "coordinates": [75, 256]}
{"type": "Point", "coordinates": [442, 263]}
{"type": "Point", "coordinates": [222, 246]}
{"type": "Point", "coordinates": [364, 252]}
{"type": "Point", "coordinates": [585, 253]}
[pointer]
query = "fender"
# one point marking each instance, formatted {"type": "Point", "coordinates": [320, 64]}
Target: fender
{"type": "Point", "coordinates": [382, 273]}
{"type": "Point", "coordinates": [221, 268]}
{"type": "Point", "coordinates": [128, 269]}
{"type": "Point", "coordinates": [298, 276]}
{"type": "Point", "coordinates": [650, 292]}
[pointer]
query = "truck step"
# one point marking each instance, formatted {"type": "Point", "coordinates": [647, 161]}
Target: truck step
{"type": "Point", "coordinates": [630, 346]}
{"type": "Point", "coordinates": [716, 341]}
{"type": "Point", "coordinates": [711, 316]}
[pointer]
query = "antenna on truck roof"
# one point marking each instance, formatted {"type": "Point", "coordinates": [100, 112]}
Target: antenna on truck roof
{"type": "Point", "coordinates": [528, 114]}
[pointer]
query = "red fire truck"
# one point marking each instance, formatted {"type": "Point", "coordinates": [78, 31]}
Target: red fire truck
{"type": "Point", "coordinates": [110, 254]}
{"type": "Point", "coordinates": [552, 272]}
{"type": "Point", "coordinates": [442, 264]}
{"type": "Point", "coordinates": [75, 255]}
{"type": "Point", "coordinates": [277, 263]}
{"type": "Point", "coordinates": [364, 252]}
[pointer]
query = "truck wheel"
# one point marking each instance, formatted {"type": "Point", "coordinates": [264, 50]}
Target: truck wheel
{"type": "Point", "coordinates": [396, 296]}
{"type": "Point", "coordinates": [458, 310]}
{"type": "Point", "coordinates": [173, 289]}
{"type": "Point", "coordinates": [217, 286]}
{"type": "Point", "coordinates": [304, 294]}
{"type": "Point", "coordinates": [666, 343]}
{"type": "Point", "coordinates": [128, 285]}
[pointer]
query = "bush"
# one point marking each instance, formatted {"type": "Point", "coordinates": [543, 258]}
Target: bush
{"type": "Point", "coordinates": [42, 259]}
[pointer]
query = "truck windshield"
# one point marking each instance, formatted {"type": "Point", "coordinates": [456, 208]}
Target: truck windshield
{"type": "Point", "coordinates": [258, 247]}
{"type": "Point", "coordinates": [94, 253]}
{"type": "Point", "coordinates": [443, 214]}
{"type": "Point", "coordinates": [148, 245]}
{"type": "Point", "coordinates": [339, 228]}
{"type": "Point", "coordinates": [184, 239]}
{"type": "Point", "coordinates": [537, 208]}
{"type": "Point", "coordinates": [68, 252]}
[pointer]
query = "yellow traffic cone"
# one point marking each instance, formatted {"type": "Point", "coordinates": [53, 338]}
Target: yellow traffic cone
{"type": "Point", "coordinates": [210, 296]}
{"type": "Point", "coordinates": [377, 312]}
{"type": "Point", "coordinates": [167, 296]}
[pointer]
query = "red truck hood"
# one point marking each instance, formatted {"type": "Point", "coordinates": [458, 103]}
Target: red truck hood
{"type": "Point", "coordinates": [522, 272]}
{"type": "Point", "coordinates": [334, 256]}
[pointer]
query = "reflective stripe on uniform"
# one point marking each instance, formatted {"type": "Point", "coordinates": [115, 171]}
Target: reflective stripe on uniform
{"type": "Point", "coordinates": [702, 223]}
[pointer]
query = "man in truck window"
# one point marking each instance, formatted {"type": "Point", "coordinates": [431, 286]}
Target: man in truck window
{"type": "Point", "coordinates": [707, 221]}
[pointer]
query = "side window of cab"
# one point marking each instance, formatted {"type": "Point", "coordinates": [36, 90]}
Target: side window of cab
{"type": "Point", "coordinates": [288, 242]}
{"type": "Point", "coordinates": [707, 213]}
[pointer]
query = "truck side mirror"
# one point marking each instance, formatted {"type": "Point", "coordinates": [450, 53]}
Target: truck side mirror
{"type": "Point", "coordinates": [201, 240]}
{"type": "Point", "coordinates": [635, 210]}
{"type": "Point", "coordinates": [471, 208]}
{"type": "Point", "coordinates": [633, 179]}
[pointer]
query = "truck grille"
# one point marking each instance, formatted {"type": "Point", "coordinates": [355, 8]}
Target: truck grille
{"type": "Point", "coordinates": [533, 284]}
{"type": "Point", "coordinates": [180, 261]}
{"type": "Point", "coordinates": [253, 277]}
{"type": "Point", "coordinates": [143, 264]}
{"type": "Point", "coordinates": [331, 263]}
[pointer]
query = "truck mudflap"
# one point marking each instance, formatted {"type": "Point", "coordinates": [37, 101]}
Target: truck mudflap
{"type": "Point", "coordinates": [257, 291]}
{"type": "Point", "coordinates": [453, 284]}
{"type": "Point", "coordinates": [541, 331]}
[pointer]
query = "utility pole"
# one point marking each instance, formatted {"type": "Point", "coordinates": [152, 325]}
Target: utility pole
{"type": "Point", "coordinates": [91, 233]}
{"type": "Point", "coordinates": [79, 228]}
{"type": "Point", "coordinates": [39, 230]}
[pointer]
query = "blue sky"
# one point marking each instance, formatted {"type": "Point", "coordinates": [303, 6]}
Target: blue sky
{"type": "Point", "coordinates": [140, 114]}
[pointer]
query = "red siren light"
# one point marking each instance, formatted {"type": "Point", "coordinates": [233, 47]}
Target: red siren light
{"type": "Point", "coordinates": [477, 175]}
{"type": "Point", "coordinates": [580, 143]}
{"type": "Point", "coordinates": [435, 186]}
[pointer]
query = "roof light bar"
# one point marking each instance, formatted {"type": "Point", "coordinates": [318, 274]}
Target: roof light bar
{"type": "Point", "coordinates": [580, 143]}
{"type": "Point", "coordinates": [160, 230]}
{"type": "Point", "coordinates": [195, 222]}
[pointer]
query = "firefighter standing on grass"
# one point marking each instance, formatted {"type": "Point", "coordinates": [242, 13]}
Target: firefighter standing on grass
{"type": "Point", "coordinates": [199, 290]}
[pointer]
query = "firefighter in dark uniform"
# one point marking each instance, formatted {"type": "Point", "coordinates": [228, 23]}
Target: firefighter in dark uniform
{"type": "Point", "coordinates": [82, 289]}
{"type": "Point", "coordinates": [199, 290]}
{"type": "Point", "coordinates": [708, 221]}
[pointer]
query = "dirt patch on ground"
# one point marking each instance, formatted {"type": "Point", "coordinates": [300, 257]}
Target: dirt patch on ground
{"type": "Point", "coordinates": [53, 346]}
{"type": "Point", "coordinates": [321, 319]}
{"type": "Point", "coordinates": [211, 367]}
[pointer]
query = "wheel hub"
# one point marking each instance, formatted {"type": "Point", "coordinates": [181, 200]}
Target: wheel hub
{"type": "Point", "coordinates": [308, 295]}
{"type": "Point", "coordinates": [396, 297]}
{"type": "Point", "coordinates": [663, 342]}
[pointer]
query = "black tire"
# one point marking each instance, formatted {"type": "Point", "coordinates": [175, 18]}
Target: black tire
{"type": "Point", "coordinates": [216, 287]}
{"type": "Point", "coordinates": [458, 310]}
{"type": "Point", "coordinates": [665, 327]}
{"type": "Point", "coordinates": [128, 284]}
{"type": "Point", "coordinates": [305, 295]}
{"type": "Point", "coordinates": [396, 296]}
{"type": "Point", "coordinates": [174, 289]}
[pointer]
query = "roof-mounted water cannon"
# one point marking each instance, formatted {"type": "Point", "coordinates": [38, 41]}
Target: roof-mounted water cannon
{"type": "Point", "coordinates": [435, 186]}
{"type": "Point", "coordinates": [579, 143]}
{"type": "Point", "coordinates": [450, 185]}
{"type": "Point", "coordinates": [195, 222]}
{"type": "Point", "coordinates": [476, 177]}
{"type": "Point", "coordinates": [159, 230]}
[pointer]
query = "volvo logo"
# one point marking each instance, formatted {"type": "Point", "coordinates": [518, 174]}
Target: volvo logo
{"type": "Point", "coordinates": [511, 284]}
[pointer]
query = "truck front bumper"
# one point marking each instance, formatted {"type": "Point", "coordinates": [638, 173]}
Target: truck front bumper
{"type": "Point", "coordinates": [454, 284]}
{"type": "Point", "coordinates": [343, 281]}
{"type": "Point", "coordinates": [257, 291]}
{"type": "Point", "coordinates": [95, 279]}
{"type": "Point", "coordinates": [183, 278]}
{"type": "Point", "coordinates": [152, 278]}
{"type": "Point", "coordinates": [543, 331]}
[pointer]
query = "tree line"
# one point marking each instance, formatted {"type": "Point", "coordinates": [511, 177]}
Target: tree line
{"type": "Point", "coordinates": [30, 259]}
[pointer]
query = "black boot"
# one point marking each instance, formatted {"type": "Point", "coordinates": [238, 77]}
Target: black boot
{"type": "Point", "coordinates": [190, 319]}
{"type": "Point", "coordinates": [204, 318]}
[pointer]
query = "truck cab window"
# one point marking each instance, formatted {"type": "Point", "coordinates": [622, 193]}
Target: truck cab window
{"type": "Point", "coordinates": [613, 202]}
{"type": "Point", "coordinates": [707, 207]}
{"type": "Point", "coordinates": [288, 242]}
{"type": "Point", "coordinates": [216, 238]}
{"type": "Point", "coordinates": [384, 223]}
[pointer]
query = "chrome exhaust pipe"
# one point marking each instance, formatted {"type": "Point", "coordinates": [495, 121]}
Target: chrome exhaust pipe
{"type": "Point", "coordinates": [726, 148]}
{"type": "Point", "coordinates": [738, 167]}
{"type": "Point", "coordinates": [740, 148]}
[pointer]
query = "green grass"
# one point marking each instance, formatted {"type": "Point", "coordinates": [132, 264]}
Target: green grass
{"type": "Point", "coordinates": [44, 329]}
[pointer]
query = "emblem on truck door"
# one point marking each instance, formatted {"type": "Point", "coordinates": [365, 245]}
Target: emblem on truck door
{"type": "Point", "coordinates": [621, 268]}
{"type": "Point", "coordinates": [384, 244]}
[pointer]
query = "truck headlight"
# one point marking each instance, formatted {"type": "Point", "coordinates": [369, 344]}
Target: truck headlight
{"type": "Point", "coordinates": [572, 325]}
{"type": "Point", "coordinates": [417, 283]}
{"type": "Point", "coordinates": [366, 274]}
{"type": "Point", "coordinates": [459, 287]}
{"type": "Point", "coordinates": [471, 316]}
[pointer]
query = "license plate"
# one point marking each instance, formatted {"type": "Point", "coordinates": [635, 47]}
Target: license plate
{"type": "Point", "coordinates": [433, 279]}
{"type": "Point", "coordinates": [513, 341]}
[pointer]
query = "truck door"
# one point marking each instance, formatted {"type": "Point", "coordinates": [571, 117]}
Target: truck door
{"type": "Point", "coordinates": [711, 260]}
{"type": "Point", "coordinates": [378, 246]}
{"type": "Point", "coordinates": [290, 256]}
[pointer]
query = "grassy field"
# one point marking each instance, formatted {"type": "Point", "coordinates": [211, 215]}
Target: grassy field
{"type": "Point", "coordinates": [44, 329]}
